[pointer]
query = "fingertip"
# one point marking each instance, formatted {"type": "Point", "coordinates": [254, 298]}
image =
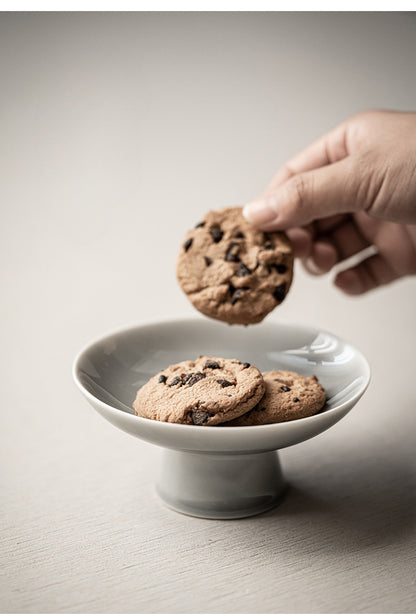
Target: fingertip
{"type": "Point", "coordinates": [311, 267]}
{"type": "Point", "coordinates": [260, 213]}
{"type": "Point", "coordinates": [247, 211]}
{"type": "Point", "coordinates": [325, 256]}
{"type": "Point", "coordinates": [301, 241]}
{"type": "Point", "coordinates": [321, 259]}
{"type": "Point", "coordinates": [349, 282]}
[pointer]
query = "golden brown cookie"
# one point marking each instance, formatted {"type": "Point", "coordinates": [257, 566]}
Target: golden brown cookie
{"type": "Point", "coordinates": [233, 272]}
{"type": "Point", "coordinates": [288, 396]}
{"type": "Point", "coordinates": [206, 392]}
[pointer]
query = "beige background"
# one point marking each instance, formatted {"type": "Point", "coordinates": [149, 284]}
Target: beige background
{"type": "Point", "coordinates": [118, 131]}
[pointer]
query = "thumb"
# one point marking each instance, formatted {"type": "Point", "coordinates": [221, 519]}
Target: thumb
{"type": "Point", "coordinates": [334, 189]}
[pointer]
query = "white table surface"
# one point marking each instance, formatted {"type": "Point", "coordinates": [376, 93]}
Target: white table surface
{"type": "Point", "coordinates": [118, 132]}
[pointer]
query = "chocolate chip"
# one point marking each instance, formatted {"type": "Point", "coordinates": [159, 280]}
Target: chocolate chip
{"type": "Point", "coordinates": [243, 270]}
{"type": "Point", "coordinates": [237, 294]}
{"type": "Point", "coordinates": [199, 418]}
{"type": "Point", "coordinates": [188, 244]}
{"type": "Point", "coordinates": [192, 378]}
{"type": "Point", "coordinates": [295, 399]}
{"type": "Point", "coordinates": [268, 244]}
{"type": "Point", "coordinates": [279, 293]}
{"type": "Point", "coordinates": [208, 261]}
{"type": "Point", "coordinates": [213, 365]}
{"type": "Point", "coordinates": [232, 253]}
{"type": "Point", "coordinates": [239, 235]}
{"type": "Point", "coordinates": [216, 234]}
{"type": "Point", "coordinates": [224, 383]}
{"type": "Point", "coordinates": [162, 378]}
{"type": "Point", "coordinates": [200, 224]}
{"type": "Point", "coordinates": [281, 268]}
{"type": "Point", "coordinates": [175, 381]}
{"type": "Point", "coordinates": [285, 388]}
{"type": "Point", "coordinates": [246, 365]}
{"type": "Point", "coordinates": [262, 409]}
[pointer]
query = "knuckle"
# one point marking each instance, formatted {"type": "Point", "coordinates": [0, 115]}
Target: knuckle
{"type": "Point", "coordinates": [365, 126]}
{"type": "Point", "coordinates": [365, 182]}
{"type": "Point", "coordinates": [362, 115]}
{"type": "Point", "coordinates": [367, 115]}
{"type": "Point", "coordinates": [298, 188]}
{"type": "Point", "coordinates": [373, 193]}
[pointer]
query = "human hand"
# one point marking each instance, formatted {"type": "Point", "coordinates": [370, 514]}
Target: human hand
{"type": "Point", "coordinates": [353, 188]}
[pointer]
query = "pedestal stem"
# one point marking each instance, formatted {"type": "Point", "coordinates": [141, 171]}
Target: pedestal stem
{"type": "Point", "coordinates": [220, 486]}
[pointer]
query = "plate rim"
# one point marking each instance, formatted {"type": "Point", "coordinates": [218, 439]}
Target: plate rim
{"type": "Point", "coordinates": [197, 320]}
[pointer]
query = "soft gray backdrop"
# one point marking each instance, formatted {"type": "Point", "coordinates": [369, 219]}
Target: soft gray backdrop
{"type": "Point", "coordinates": [118, 131]}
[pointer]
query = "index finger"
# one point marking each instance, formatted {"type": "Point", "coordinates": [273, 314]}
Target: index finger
{"type": "Point", "coordinates": [328, 149]}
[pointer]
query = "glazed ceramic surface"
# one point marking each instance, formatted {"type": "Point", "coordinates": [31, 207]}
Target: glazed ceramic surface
{"type": "Point", "coordinates": [110, 370]}
{"type": "Point", "coordinates": [219, 472]}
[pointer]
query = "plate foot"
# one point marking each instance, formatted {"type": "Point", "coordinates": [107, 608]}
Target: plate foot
{"type": "Point", "coordinates": [220, 486]}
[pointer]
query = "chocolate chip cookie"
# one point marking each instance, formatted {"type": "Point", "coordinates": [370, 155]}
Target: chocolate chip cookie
{"type": "Point", "coordinates": [288, 396]}
{"type": "Point", "coordinates": [204, 392]}
{"type": "Point", "coordinates": [233, 272]}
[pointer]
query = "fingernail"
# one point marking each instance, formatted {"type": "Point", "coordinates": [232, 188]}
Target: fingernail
{"type": "Point", "coordinates": [260, 212]}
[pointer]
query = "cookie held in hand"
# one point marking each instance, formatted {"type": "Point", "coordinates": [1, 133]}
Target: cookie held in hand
{"type": "Point", "coordinates": [205, 392]}
{"type": "Point", "coordinates": [233, 272]}
{"type": "Point", "coordinates": [288, 396]}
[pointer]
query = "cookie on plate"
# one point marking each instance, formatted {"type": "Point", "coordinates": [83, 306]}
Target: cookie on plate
{"type": "Point", "coordinates": [288, 396]}
{"type": "Point", "coordinates": [233, 272]}
{"type": "Point", "coordinates": [205, 392]}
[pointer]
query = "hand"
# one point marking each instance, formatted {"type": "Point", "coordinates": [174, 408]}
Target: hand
{"type": "Point", "coordinates": [353, 188]}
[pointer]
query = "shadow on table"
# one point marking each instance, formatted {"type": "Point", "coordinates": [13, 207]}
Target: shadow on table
{"type": "Point", "coordinates": [372, 505]}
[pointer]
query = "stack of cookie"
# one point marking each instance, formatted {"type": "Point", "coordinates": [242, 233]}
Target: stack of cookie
{"type": "Point", "coordinates": [213, 391]}
{"type": "Point", "coordinates": [235, 273]}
